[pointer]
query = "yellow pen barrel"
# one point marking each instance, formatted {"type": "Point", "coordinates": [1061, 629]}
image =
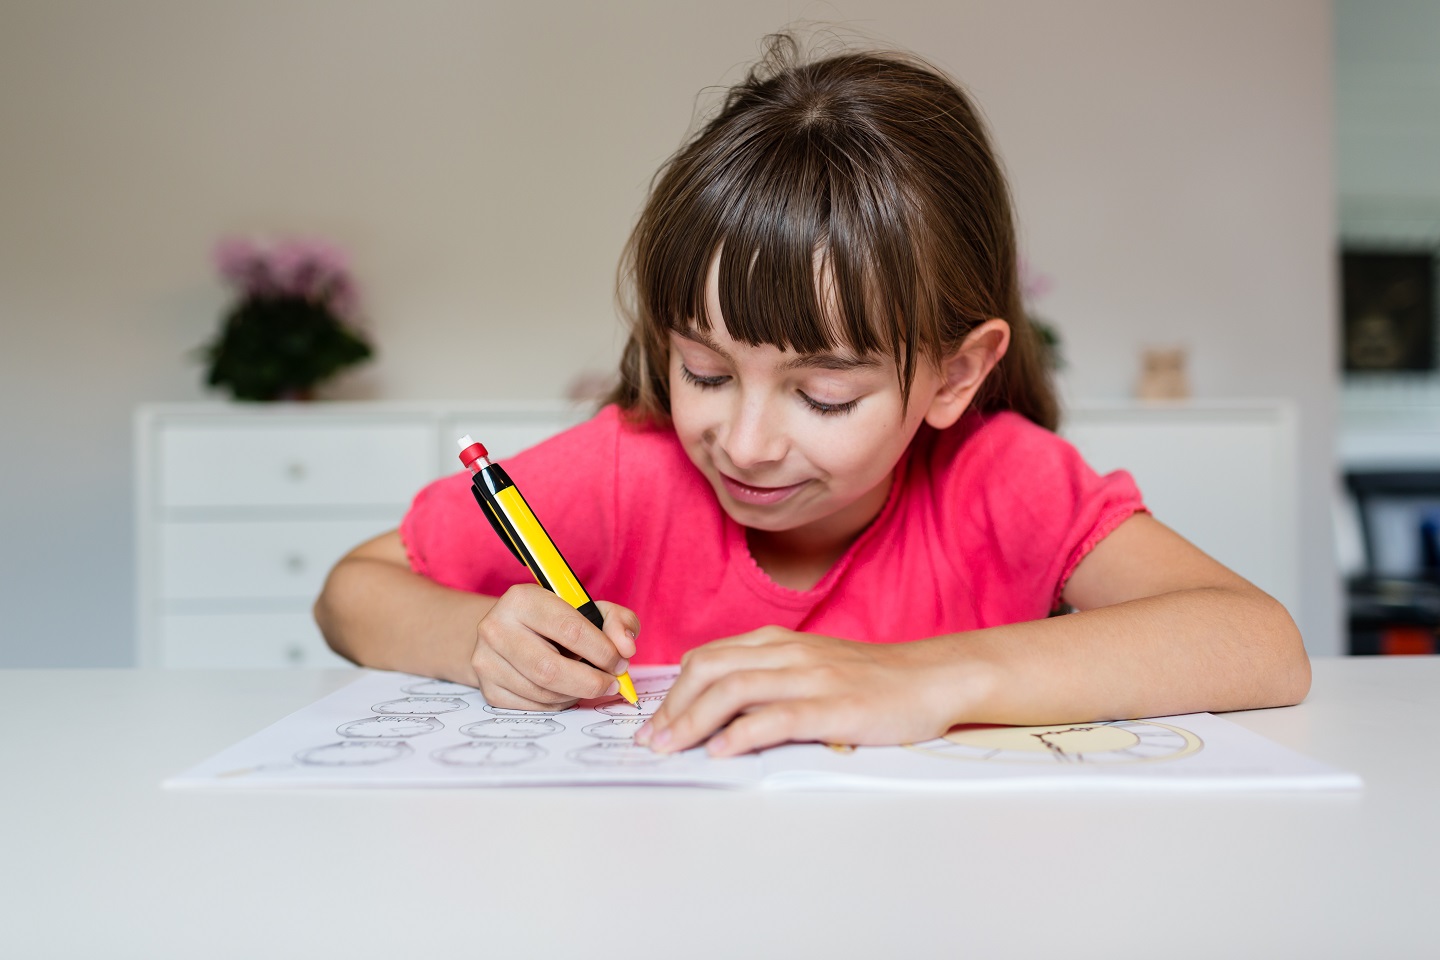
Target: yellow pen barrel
{"type": "Point", "coordinates": [519, 525]}
{"type": "Point", "coordinates": [540, 553]}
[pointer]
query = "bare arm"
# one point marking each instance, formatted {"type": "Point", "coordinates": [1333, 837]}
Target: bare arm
{"type": "Point", "coordinates": [376, 611]}
{"type": "Point", "coordinates": [1164, 629]}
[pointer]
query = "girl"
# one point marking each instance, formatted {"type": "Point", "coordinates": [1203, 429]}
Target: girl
{"type": "Point", "coordinates": [827, 482]}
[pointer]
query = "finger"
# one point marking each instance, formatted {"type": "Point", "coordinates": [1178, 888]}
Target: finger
{"type": "Point", "coordinates": [774, 724]}
{"type": "Point", "coordinates": [504, 686]}
{"type": "Point", "coordinates": [621, 627]}
{"type": "Point", "coordinates": [761, 637]}
{"type": "Point", "coordinates": [546, 668]}
{"type": "Point", "coordinates": [702, 667]}
{"type": "Point", "coordinates": [563, 625]}
{"type": "Point", "coordinates": [721, 702]}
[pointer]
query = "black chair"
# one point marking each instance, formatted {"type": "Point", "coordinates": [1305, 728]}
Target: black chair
{"type": "Point", "coordinates": [1394, 614]}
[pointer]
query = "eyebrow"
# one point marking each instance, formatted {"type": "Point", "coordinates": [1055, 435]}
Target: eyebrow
{"type": "Point", "coordinates": [807, 361]}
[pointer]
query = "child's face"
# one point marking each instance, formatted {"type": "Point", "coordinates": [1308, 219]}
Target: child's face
{"type": "Point", "coordinates": [793, 442]}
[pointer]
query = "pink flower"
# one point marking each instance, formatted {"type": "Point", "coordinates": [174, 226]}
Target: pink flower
{"type": "Point", "coordinates": [311, 269]}
{"type": "Point", "coordinates": [244, 263]}
{"type": "Point", "coordinates": [1033, 284]}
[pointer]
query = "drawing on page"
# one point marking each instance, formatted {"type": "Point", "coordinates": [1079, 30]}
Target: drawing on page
{"type": "Point", "coordinates": [354, 753]}
{"type": "Point", "coordinates": [616, 728]}
{"type": "Point", "coordinates": [512, 728]}
{"type": "Point", "coordinates": [645, 706]}
{"type": "Point", "coordinates": [437, 688]}
{"type": "Point", "coordinates": [505, 712]}
{"type": "Point", "coordinates": [1110, 742]}
{"type": "Point", "coordinates": [420, 705]}
{"type": "Point", "coordinates": [489, 753]}
{"type": "Point", "coordinates": [657, 683]}
{"type": "Point", "coordinates": [386, 728]}
{"type": "Point", "coordinates": [617, 753]}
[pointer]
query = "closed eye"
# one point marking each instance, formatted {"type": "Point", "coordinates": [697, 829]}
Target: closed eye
{"type": "Point", "coordinates": [827, 409]}
{"type": "Point", "coordinates": [699, 381]}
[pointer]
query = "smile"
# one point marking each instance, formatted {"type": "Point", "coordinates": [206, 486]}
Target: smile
{"type": "Point", "coordinates": [759, 496]}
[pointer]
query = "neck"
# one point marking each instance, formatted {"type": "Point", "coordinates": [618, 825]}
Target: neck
{"type": "Point", "coordinates": [800, 558]}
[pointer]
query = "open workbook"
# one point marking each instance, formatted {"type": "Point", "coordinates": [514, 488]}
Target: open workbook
{"type": "Point", "coordinates": [397, 730]}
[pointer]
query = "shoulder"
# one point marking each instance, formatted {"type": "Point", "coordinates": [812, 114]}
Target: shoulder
{"type": "Point", "coordinates": [1024, 497]}
{"type": "Point", "coordinates": [997, 445]}
{"type": "Point", "coordinates": [1018, 477]}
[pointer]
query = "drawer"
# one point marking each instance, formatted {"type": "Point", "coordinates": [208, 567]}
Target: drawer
{"type": "Point", "coordinates": [244, 640]}
{"type": "Point", "coordinates": [264, 559]}
{"type": "Point", "coordinates": [277, 464]}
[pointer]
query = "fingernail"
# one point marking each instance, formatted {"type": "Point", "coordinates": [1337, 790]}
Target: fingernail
{"type": "Point", "coordinates": [611, 690]}
{"type": "Point", "coordinates": [630, 634]}
{"type": "Point", "coordinates": [718, 743]}
{"type": "Point", "coordinates": [642, 733]}
{"type": "Point", "coordinates": [662, 740]}
{"type": "Point", "coordinates": [622, 666]}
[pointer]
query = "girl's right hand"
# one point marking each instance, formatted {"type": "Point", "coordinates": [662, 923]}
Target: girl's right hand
{"type": "Point", "coordinates": [518, 645]}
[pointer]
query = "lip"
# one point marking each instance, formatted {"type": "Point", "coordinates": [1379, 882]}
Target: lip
{"type": "Point", "coordinates": [759, 496]}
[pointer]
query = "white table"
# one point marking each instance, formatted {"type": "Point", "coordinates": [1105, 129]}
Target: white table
{"type": "Point", "coordinates": [97, 861]}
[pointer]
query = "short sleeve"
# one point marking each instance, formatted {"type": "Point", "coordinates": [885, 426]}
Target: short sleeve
{"type": "Point", "coordinates": [569, 482]}
{"type": "Point", "coordinates": [1030, 504]}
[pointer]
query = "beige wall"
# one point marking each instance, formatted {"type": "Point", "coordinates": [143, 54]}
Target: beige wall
{"type": "Point", "coordinates": [482, 163]}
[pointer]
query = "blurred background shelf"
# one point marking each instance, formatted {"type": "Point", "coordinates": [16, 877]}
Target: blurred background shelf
{"type": "Point", "coordinates": [241, 510]}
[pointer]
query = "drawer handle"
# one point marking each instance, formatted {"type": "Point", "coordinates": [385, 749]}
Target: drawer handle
{"type": "Point", "coordinates": [295, 470]}
{"type": "Point", "coordinates": [295, 563]}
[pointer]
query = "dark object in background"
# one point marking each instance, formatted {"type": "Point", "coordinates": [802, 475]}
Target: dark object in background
{"type": "Point", "coordinates": [277, 348]}
{"type": "Point", "coordinates": [1395, 615]}
{"type": "Point", "coordinates": [1430, 547]}
{"type": "Point", "coordinates": [1388, 310]}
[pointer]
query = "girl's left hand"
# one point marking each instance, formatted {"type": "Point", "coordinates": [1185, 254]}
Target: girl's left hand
{"type": "Point", "coordinates": [773, 685]}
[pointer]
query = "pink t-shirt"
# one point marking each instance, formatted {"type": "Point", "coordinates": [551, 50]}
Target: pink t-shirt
{"type": "Point", "coordinates": [983, 525]}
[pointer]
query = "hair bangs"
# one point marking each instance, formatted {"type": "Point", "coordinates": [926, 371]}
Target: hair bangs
{"type": "Point", "coordinates": [848, 203]}
{"type": "Point", "coordinates": [812, 256]}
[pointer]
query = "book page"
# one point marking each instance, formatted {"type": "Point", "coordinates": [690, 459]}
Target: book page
{"type": "Point", "coordinates": [1195, 752]}
{"type": "Point", "coordinates": [398, 730]}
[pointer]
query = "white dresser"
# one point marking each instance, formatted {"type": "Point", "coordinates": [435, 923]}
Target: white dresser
{"type": "Point", "coordinates": [241, 510]}
{"type": "Point", "coordinates": [1222, 474]}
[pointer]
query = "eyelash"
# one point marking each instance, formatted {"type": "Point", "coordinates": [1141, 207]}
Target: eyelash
{"type": "Point", "coordinates": [824, 409]}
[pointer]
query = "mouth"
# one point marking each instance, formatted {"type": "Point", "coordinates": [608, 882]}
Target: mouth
{"type": "Point", "coordinates": [758, 496]}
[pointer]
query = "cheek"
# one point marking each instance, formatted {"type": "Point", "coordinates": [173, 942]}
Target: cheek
{"type": "Point", "coordinates": [866, 449]}
{"type": "Point", "coordinates": [687, 411]}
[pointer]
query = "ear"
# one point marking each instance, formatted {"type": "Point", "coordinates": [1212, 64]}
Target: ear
{"type": "Point", "coordinates": [965, 369]}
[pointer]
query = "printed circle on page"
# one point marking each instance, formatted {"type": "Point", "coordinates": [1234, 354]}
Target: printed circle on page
{"type": "Point", "coordinates": [618, 728]}
{"type": "Point", "coordinates": [482, 753]}
{"type": "Point", "coordinates": [421, 705]}
{"type": "Point", "coordinates": [511, 728]}
{"type": "Point", "coordinates": [389, 727]}
{"type": "Point", "coordinates": [437, 688]}
{"type": "Point", "coordinates": [659, 683]}
{"type": "Point", "coordinates": [503, 712]}
{"type": "Point", "coordinates": [646, 705]}
{"type": "Point", "coordinates": [616, 753]}
{"type": "Point", "coordinates": [355, 753]}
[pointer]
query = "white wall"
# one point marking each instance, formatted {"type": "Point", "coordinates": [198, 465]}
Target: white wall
{"type": "Point", "coordinates": [482, 162]}
{"type": "Point", "coordinates": [1387, 118]}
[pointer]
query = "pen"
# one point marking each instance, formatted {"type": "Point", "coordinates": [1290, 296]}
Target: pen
{"type": "Point", "coordinates": [520, 530]}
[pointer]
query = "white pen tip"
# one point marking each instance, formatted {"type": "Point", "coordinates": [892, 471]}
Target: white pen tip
{"type": "Point", "coordinates": [466, 441]}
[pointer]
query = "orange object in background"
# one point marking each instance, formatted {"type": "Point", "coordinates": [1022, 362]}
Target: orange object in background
{"type": "Point", "coordinates": [1407, 641]}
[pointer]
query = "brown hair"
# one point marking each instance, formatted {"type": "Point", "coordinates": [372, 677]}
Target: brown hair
{"type": "Point", "coordinates": [851, 200]}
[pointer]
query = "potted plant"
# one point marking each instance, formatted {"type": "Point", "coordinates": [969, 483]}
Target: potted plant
{"type": "Point", "coordinates": [292, 325]}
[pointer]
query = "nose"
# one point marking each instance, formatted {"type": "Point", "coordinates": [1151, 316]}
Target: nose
{"type": "Point", "coordinates": [754, 436]}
